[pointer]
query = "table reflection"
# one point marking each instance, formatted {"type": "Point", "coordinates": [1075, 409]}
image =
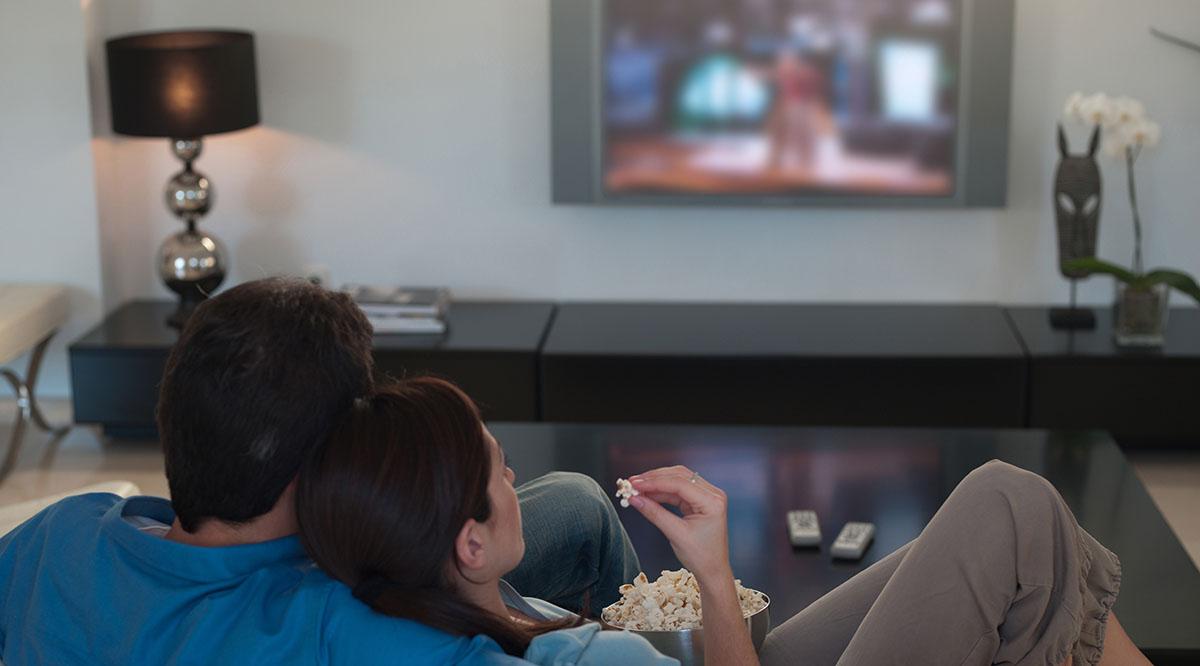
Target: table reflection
{"type": "Point", "coordinates": [896, 479]}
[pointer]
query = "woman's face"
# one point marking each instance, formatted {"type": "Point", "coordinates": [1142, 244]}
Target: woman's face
{"type": "Point", "coordinates": [505, 522]}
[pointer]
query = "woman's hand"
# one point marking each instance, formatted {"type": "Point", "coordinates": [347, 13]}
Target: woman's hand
{"type": "Point", "coordinates": [700, 538]}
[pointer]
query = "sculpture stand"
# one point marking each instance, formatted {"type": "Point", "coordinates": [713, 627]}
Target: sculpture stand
{"type": "Point", "coordinates": [1073, 318]}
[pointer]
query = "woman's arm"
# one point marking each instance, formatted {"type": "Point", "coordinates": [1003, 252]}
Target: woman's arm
{"type": "Point", "coordinates": [700, 540]}
{"type": "Point", "coordinates": [726, 634]}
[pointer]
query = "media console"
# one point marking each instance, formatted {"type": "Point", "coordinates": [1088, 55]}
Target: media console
{"type": "Point", "coordinates": [937, 366]}
{"type": "Point", "coordinates": [490, 349]}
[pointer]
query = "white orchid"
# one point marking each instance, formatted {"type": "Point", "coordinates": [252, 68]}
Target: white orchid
{"type": "Point", "coordinates": [1126, 111]}
{"type": "Point", "coordinates": [1123, 120]}
{"type": "Point", "coordinates": [1097, 109]}
{"type": "Point", "coordinates": [1144, 132]}
{"type": "Point", "coordinates": [1073, 107]}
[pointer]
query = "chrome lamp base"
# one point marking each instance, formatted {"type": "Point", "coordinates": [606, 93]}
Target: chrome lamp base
{"type": "Point", "coordinates": [192, 263]}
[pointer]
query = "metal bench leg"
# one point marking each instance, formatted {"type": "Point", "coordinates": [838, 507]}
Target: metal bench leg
{"type": "Point", "coordinates": [31, 377]}
{"type": "Point", "coordinates": [27, 407]}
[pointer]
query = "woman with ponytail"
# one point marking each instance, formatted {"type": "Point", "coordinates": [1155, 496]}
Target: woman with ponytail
{"type": "Point", "coordinates": [411, 505]}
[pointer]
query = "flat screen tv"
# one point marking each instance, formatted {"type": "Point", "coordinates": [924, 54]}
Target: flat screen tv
{"type": "Point", "coordinates": [781, 102]}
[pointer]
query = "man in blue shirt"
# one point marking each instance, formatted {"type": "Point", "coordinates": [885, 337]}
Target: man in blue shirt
{"type": "Point", "coordinates": [216, 575]}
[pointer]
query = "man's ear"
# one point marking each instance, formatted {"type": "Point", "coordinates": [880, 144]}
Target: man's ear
{"type": "Point", "coordinates": [468, 547]}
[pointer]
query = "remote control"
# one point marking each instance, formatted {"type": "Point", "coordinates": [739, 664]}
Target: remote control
{"type": "Point", "coordinates": [803, 529]}
{"type": "Point", "coordinates": [853, 541]}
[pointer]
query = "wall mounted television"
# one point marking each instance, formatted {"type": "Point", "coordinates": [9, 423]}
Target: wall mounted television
{"type": "Point", "coordinates": [781, 102]}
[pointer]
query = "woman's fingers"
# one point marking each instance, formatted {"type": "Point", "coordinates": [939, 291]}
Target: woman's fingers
{"type": "Point", "coordinates": [663, 498]}
{"type": "Point", "coordinates": [698, 496]}
{"type": "Point", "coordinates": [675, 471]}
{"type": "Point", "coordinates": [673, 500]}
{"type": "Point", "coordinates": [668, 523]}
{"type": "Point", "coordinates": [682, 486]}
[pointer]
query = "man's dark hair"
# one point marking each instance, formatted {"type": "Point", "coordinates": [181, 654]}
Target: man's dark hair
{"type": "Point", "coordinates": [259, 376]}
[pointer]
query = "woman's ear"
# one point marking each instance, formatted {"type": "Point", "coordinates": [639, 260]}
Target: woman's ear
{"type": "Point", "coordinates": [469, 547]}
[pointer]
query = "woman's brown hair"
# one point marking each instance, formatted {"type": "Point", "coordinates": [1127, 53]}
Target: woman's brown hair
{"type": "Point", "coordinates": [381, 503]}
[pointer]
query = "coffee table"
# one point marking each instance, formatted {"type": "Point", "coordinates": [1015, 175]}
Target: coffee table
{"type": "Point", "coordinates": [894, 478]}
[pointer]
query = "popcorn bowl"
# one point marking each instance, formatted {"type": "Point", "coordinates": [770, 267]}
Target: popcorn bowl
{"type": "Point", "coordinates": [687, 645]}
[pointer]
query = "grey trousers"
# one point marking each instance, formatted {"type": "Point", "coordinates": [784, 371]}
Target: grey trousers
{"type": "Point", "coordinates": [1002, 574]}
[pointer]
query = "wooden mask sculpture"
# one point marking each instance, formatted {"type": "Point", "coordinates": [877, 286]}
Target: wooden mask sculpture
{"type": "Point", "coordinates": [1077, 189]}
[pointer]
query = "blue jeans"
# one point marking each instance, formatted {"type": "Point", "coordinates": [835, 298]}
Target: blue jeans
{"type": "Point", "coordinates": [575, 545]}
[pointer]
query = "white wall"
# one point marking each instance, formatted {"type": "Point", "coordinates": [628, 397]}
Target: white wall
{"type": "Point", "coordinates": [408, 141]}
{"type": "Point", "coordinates": [48, 227]}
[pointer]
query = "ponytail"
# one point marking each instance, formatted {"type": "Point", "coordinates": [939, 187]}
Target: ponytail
{"type": "Point", "coordinates": [447, 611]}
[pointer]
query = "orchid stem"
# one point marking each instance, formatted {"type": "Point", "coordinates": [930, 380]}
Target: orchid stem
{"type": "Point", "coordinates": [1130, 160]}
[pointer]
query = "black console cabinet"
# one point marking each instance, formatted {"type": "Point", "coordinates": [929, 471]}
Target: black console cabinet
{"type": "Point", "coordinates": [865, 365]}
{"type": "Point", "coordinates": [939, 366]}
{"type": "Point", "coordinates": [1081, 379]}
{"type": "Point", "coordinates": [490, 349]}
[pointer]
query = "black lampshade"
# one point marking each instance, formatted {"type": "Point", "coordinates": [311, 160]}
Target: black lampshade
{"type": "Point", "coordinates": [182, 84]}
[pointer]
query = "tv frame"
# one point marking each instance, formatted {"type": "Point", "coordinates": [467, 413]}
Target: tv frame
{"type": "Point", "coordinates": [984, 108]}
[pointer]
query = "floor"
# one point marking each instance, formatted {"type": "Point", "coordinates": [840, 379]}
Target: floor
{"type": "Point", "coordinates": [1173, 480]}
{"type": "Point", "coordinates": [82, 457]}
{"type": "Point", "coordinates": [48, 466]}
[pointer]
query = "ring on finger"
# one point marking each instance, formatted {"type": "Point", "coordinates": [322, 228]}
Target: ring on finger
{"type": "Point", "coordinates": [695, 477]}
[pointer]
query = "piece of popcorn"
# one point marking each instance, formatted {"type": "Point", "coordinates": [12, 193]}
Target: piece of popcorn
{"type": "Point", "coordinates": [625, 490]}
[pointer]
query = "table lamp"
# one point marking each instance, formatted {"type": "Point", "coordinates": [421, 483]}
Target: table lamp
{"type": "Point", "coordinates": [184, 85]}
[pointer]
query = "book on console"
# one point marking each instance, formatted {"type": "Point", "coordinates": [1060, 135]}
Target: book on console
{"type": "Point", "coordinates": [390, 301]}
{"type": "Point", "coordinates": [391, 325]}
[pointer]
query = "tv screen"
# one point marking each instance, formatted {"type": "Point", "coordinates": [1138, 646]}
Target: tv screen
{"type": "Point", "coordinates": [780, 97]}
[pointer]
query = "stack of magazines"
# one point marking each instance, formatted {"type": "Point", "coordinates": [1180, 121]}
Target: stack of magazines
{"type": "Point", "coordinates": [417, 310]}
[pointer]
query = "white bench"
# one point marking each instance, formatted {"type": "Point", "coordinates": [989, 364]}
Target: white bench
{"type": "Point", "coordinates": [29, 316]}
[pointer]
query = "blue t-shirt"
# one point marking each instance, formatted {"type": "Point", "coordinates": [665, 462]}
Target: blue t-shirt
{"type": "Point", "coordinates": [80, 584]}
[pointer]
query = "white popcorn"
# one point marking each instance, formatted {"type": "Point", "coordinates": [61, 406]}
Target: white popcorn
{"type": "Point", "coordinates": [671, 603]}
{"type": "Point", "coordinates": [625, 490]}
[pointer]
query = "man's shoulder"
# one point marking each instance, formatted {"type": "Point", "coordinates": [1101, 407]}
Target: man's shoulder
{"type": "Point", "coordinates": [67, 516]}
{"type": "Point", "coordinates": [87, 504]}
{"type": "Point", "coordinates": [87, 507]}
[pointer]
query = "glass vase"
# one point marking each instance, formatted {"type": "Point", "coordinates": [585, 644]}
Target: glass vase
{"type": "Point", "coordinates": [1141, 315]}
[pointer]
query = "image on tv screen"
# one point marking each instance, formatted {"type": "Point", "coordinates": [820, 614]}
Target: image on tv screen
{"type": "Point", "coordinates": [781, 97]}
